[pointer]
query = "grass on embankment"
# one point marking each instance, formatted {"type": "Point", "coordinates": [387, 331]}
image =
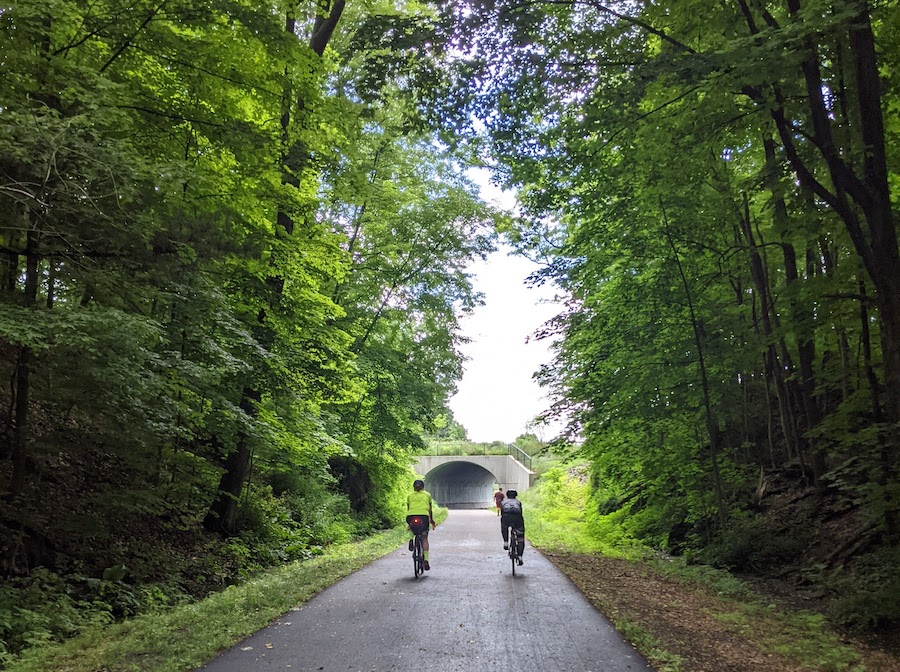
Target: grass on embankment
{"type": "Point", "coordinates": [187, 636]}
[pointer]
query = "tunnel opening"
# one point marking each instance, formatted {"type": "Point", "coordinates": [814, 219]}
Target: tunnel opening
{"type": "Point", "coordinates": [461, 485]}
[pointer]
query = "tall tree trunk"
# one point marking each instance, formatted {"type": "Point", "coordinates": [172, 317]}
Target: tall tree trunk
{"type": "Point", "coordinates": [851, 193]}
{"type": "Point", "coordinates": [877, 247]}
{"type": "Point", "coordinates": [20, 448]}
{"type": "Point", "coordinates": [884, 267]}
{"type": "Point", "coordinates": [801, 318]}
{"type": "Point", "coordinates": [9, 270]}
{"type": "Point", "coordinates": [866, 340]}
{"type": "Point", "coordinates": [221, 515]}
{"type": "Point", "coordinates": [770, 423]}
{"type": "Point", "coordinates": [774, 366]}
{"type": "Point", "coordinates": [712, 425]}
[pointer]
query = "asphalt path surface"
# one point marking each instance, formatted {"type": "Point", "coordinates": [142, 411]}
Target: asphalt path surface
{"type": "Point", "coordinates": [468, 614]}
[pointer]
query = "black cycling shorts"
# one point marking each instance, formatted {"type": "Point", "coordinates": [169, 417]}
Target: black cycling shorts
{"type": "Point", "coordinates": [419, 524]}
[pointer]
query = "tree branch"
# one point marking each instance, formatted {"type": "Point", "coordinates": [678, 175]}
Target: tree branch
{"type": "Point", "coordinates": [127, 42]}
{"type": "Point", "coordinates": [324, 27]}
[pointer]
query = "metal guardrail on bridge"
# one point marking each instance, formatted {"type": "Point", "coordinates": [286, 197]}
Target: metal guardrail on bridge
{"type": "Point", "coordinates": [520, 455]}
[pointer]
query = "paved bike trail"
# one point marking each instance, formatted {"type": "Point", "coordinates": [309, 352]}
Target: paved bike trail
{"type": "Point", "coordinates": [465, 615]}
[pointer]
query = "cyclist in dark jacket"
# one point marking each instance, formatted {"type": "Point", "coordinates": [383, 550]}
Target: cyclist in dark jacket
{"type": "Point", "coordinates": [511, 516]}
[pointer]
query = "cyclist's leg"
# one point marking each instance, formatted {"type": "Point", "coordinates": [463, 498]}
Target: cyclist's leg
{"type": "Point", "coordinates": [520, 530]}
{"type": "Point", "coordinates": [412, 535]}
{"type": "Point", "coordinates": [504, 530]}
{"type": "Point", "coordinates": [425, 549]}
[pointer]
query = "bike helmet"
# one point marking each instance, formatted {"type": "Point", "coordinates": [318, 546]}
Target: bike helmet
{"type": "Point", "coordinates": [512, 494]}
{"type": "Point", "coordinates": [418, 484]}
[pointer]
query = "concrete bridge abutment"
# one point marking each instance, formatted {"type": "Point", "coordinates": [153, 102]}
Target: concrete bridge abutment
{"type": "Point", "coordinates": [468, 481]}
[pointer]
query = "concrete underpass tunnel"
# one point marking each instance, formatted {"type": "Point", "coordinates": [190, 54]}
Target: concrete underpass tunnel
{"type": "Point", "coordinates": [461, 485]}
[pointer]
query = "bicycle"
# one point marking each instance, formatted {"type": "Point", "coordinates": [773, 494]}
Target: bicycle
{"type": "Point", "coordinates": [418, 525]}
{"type": "Point", "coordinates": [514, 548]}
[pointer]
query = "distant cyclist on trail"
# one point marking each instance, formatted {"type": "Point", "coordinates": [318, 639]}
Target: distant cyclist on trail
{"type": "Point", "coordinates": [511, 516]}
{"type": "Point", "coordinates": [420, 504]}
{"type": "Point", "coordinates": [498, 498]}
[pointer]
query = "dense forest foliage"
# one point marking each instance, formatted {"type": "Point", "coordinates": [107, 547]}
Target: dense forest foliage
{"type": "Point", "coordinates": [231, 274]}
{"type": "Point", "coordinates": [233, 241]}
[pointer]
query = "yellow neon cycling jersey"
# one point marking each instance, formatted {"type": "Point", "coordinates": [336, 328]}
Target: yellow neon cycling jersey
{"type": "Point", "coordinates": [419, 503]}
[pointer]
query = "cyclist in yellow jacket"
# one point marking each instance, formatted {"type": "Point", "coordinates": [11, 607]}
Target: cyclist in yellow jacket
{"type": "Point", "coordinates": [419, 503]}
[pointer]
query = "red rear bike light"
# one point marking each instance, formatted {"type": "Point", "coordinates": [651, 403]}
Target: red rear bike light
{"type": "Point", "coordinates": [417, 520]}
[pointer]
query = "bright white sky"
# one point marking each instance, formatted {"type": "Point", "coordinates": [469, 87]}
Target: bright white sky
{"type": "Point", "coordinates": [497, 396]}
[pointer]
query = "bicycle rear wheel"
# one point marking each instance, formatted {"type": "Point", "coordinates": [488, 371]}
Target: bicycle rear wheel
{"type": "Point", "coordinates": [418, 557]}
{"type": "Point", "coordinates": [513, 549]}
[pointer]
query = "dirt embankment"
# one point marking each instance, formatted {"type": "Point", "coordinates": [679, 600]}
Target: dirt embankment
{"type": "Point", "coordinates": [695, 630]}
